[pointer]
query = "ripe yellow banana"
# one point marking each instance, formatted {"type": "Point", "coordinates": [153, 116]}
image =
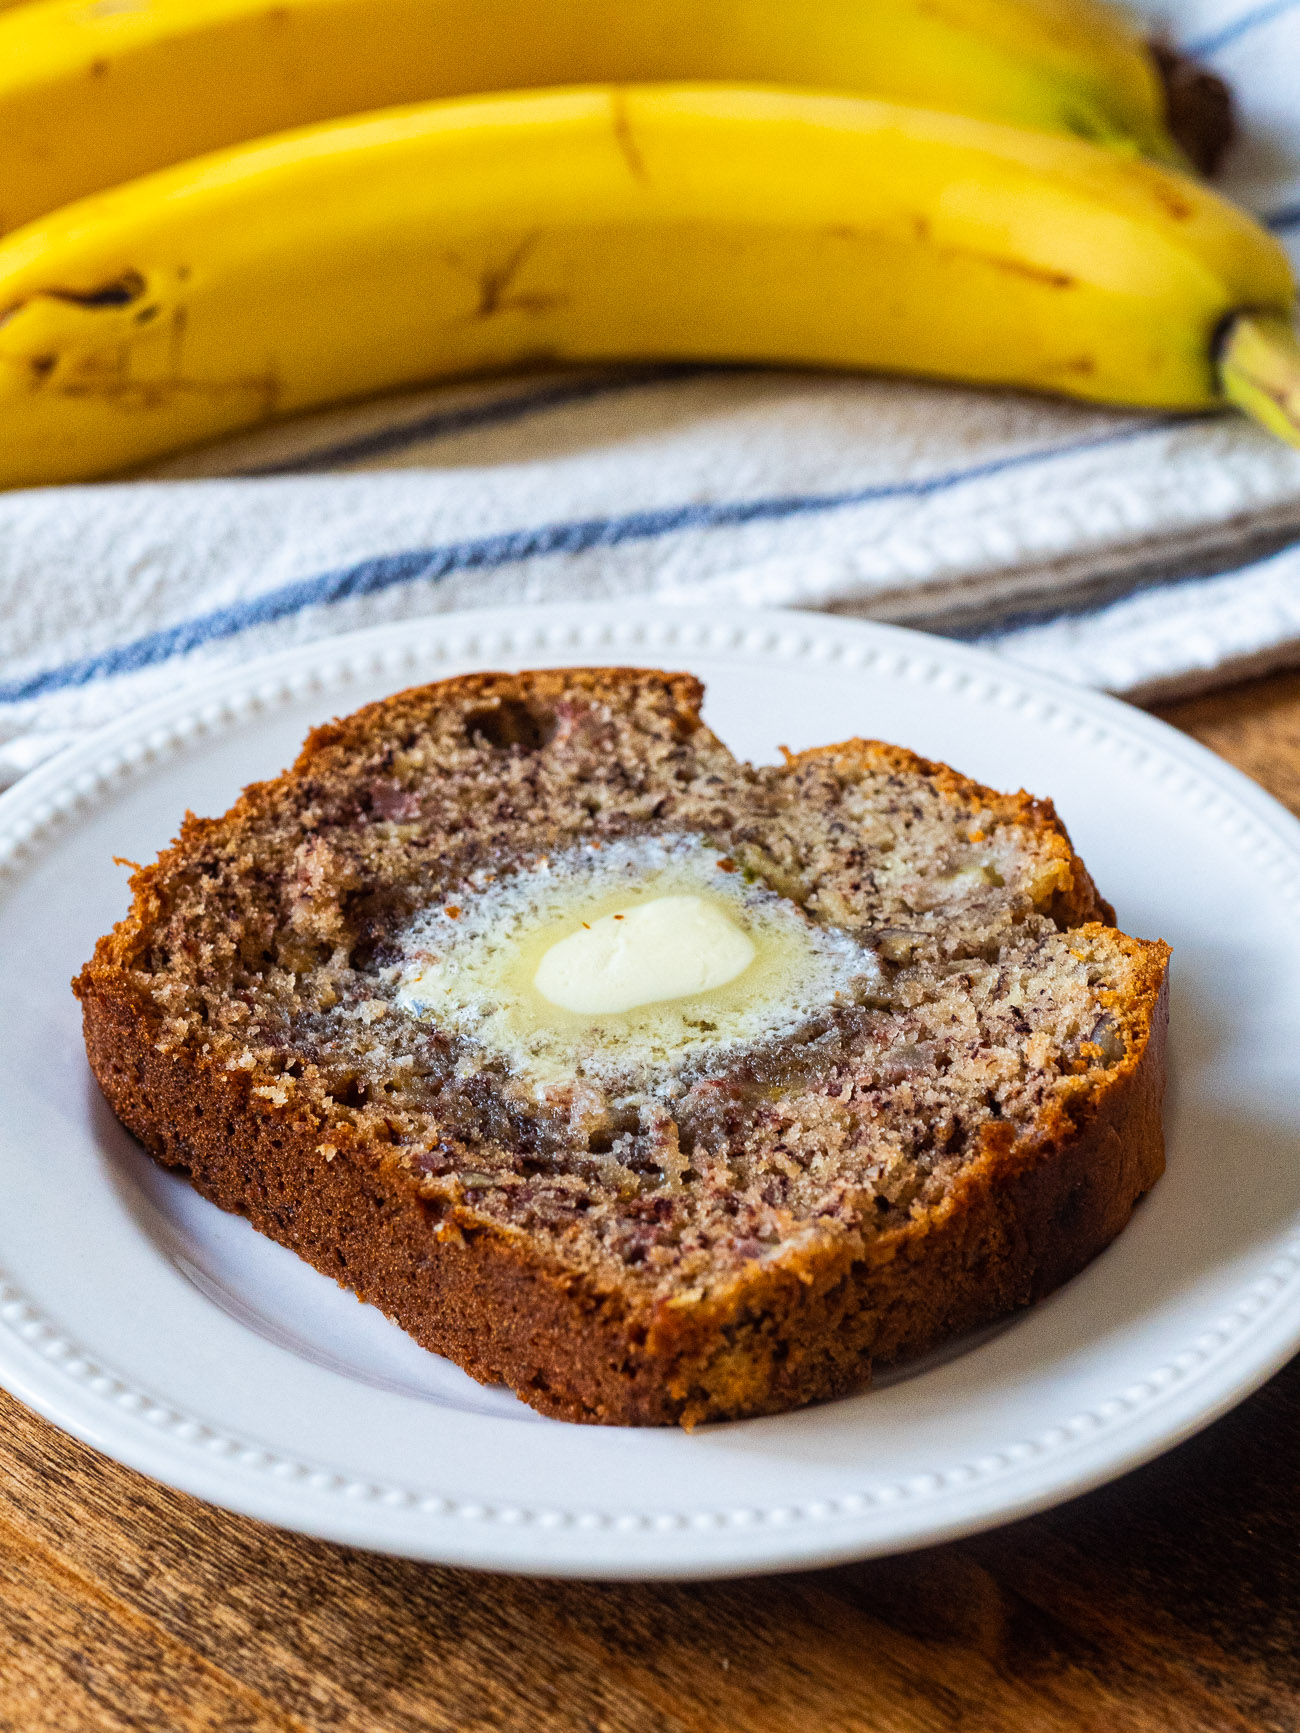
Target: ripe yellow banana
{"type": "Point", "coordinates": [94, 93]}
{"type": "Point", "coordinates": [655, 221]}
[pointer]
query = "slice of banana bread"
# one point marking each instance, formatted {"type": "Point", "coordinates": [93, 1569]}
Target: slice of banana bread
{"type": "Point", "coordinates": [927, 1092]}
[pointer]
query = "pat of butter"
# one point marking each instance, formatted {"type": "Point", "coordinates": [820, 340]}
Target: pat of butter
{"type": "Point", "coordinates": [668, 948]}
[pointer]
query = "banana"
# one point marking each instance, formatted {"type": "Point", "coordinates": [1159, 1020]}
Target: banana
{"type": "Point", "coordinates": [711, 222]}
{"type": "Point", "coordinates": [94, 93]}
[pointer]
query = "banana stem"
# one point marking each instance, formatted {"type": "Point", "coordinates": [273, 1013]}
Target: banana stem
{"type": "Point", "coordinates": [1259, 371]}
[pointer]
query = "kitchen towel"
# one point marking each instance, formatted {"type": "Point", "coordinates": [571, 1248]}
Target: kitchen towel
{"type": "Point", "coordinates": [1146, 554]}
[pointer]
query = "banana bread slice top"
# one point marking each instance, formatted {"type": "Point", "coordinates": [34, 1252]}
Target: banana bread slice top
{"type": "Point", "coordinates": [930, 1095]}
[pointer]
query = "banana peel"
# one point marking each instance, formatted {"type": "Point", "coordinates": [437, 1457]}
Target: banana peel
{"type": "Point", "coordinates": [95, 94]}
{"type": "Point", "coordinates": [647, 223]}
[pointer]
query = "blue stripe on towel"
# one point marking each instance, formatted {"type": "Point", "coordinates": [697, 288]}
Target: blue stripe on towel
{"type": "Point", "coordinates": [498, 412]}
{"type": "Point", "coordinates": [488, 553]}
{"type": "Point", "coordinates": [1243, 25]}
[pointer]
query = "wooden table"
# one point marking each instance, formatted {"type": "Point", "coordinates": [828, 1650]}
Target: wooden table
{"type": "Point", "coordinates": [1170, 1600]}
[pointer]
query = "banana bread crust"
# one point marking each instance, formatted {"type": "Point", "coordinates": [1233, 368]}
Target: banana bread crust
{"type": "Point", "coordinates": [1029, 1209]}
{"type": "Point", "coordinates": [1029, 1214]}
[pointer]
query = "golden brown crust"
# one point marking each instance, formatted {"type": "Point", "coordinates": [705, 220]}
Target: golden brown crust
{"type": "Point", "coordinates": [1022, 1217]}
{"type": "Point", "coordinates": [391, 716]}
{"type": "Point", "coordinates": [1027, 1216]}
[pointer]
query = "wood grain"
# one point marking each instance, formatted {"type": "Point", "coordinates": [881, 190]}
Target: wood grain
{"type": "Point", "coordinates": [1167, 1603]}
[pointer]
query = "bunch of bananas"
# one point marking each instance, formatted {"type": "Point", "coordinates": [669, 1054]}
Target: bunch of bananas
{"type": "Point", "coordinates": [219, 211]}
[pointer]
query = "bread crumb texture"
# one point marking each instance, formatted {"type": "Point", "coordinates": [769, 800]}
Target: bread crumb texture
{"type": "Point", "coordinates": [933, 1096]}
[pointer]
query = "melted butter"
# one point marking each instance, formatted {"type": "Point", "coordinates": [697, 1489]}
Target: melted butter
{"type": "Point", "coordinates": [670, 947]}
{"type": "Point", "coordinates": [624, 961]}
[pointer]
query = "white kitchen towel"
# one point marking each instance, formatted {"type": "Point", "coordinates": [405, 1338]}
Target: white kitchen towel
{"type": "Point", "coordinates": [1135, 552]}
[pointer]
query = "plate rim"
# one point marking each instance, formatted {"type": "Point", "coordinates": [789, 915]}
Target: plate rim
{"type": "Point", "coordinates": [50, 1374]}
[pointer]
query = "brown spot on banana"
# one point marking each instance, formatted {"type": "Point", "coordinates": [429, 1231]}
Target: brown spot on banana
{"type": "Point", "coordinates": [176, 340]}
{"type": "Point", "coordinates": [119, 292]}
{"type": "Point", "coordinates": [105, 373]}
{"type": "Point", "coordinates": [495, 280]}
{"type": "Point", "coordinates": [923, 234]}
{"type": "Point", "coordinates": [624, 137]}
{"type": "Point", "coordinates": [495, 294]}
{"type": "Point", "coordinates": [1022, 268]}
{"type": "Point", "coordinates": [114, 385]}
{"type": "Point", "coordinates": [1168, 200]}
{"type": "Point", "coordinates": [1077, 366]}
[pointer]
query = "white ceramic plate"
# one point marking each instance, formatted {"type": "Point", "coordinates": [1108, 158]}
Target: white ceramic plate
{"type": "Point", "coordinates": [177, 1340]}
